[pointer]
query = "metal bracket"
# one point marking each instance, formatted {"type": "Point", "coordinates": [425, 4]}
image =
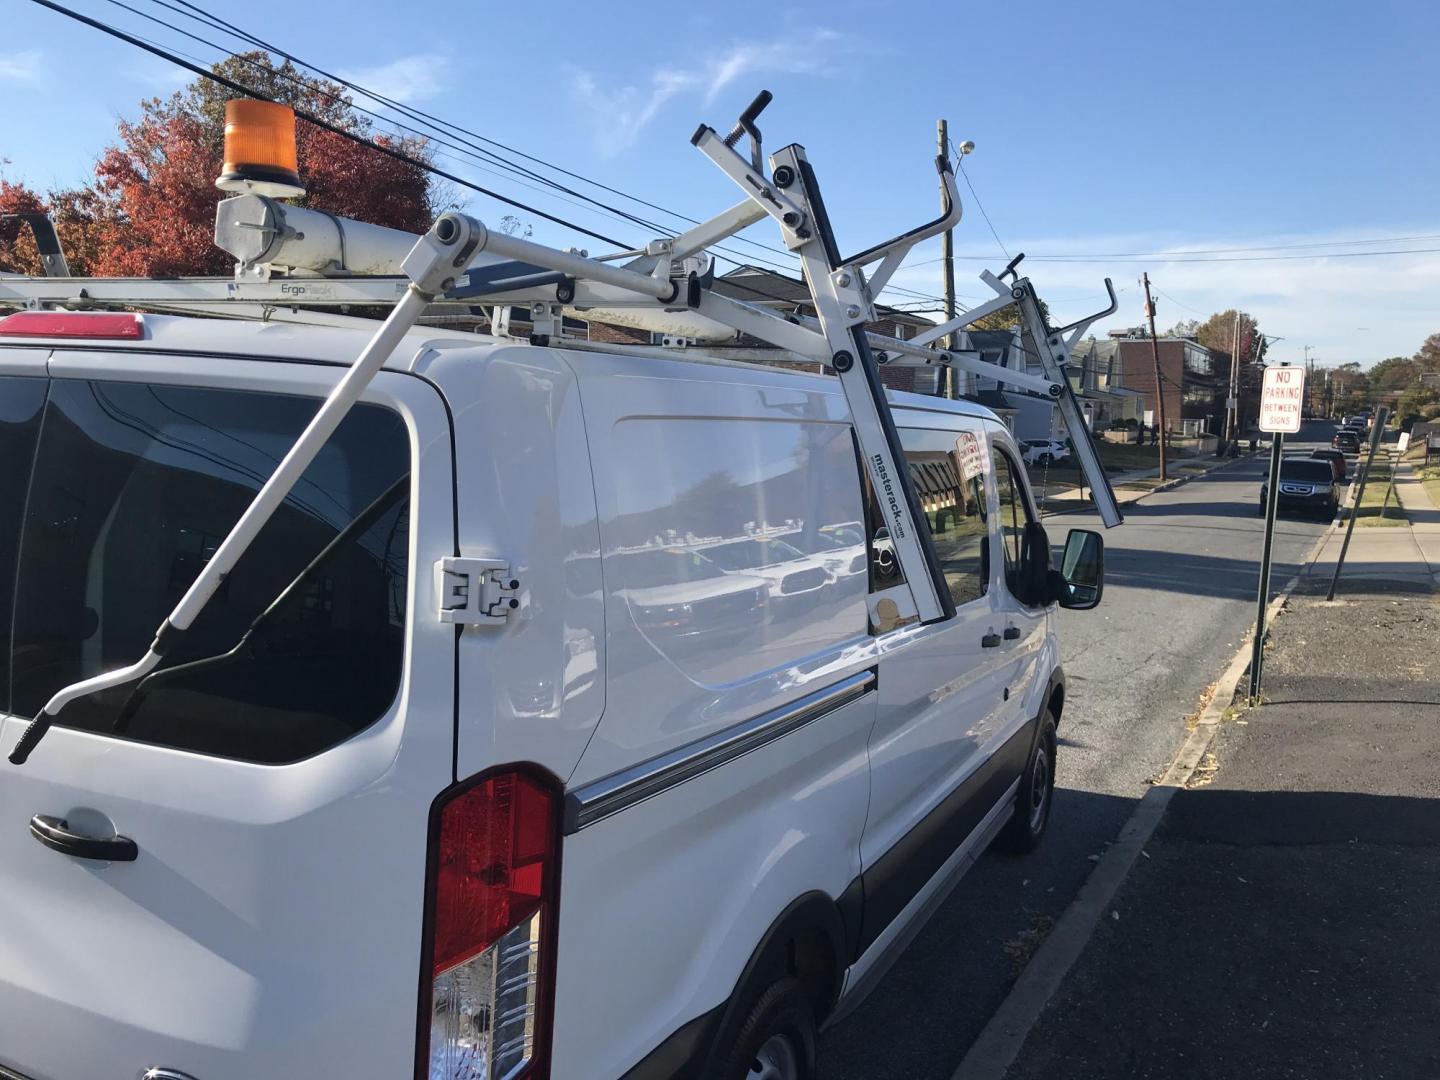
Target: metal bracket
{"type": "Point", "coordinates": [475, 591]}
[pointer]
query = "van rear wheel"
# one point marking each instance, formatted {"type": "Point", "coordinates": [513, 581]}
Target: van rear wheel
{"type": "Point", "coordinates": [1036, 795]}
{"type": "Point", "coordinates": [777, 1040]}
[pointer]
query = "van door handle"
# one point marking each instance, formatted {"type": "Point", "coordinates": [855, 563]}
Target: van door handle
{"type": "Point", "coordinates": [990, 641]}
{"type": "Point", "coordinates": [55, 834]}
{"type": "Point", "coordinates": [1012, 633]}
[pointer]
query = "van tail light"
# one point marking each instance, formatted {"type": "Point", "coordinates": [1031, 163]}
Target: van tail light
{"type": "Point", "coordinates": [74, 324]}
{"type": "Point", "coordinates": [488, 972]}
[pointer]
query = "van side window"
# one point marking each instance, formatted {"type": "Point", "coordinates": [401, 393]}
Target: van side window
{"type": "Point", "coordinates": [951, 489]}
{"type": "Point", "coordinates": [1014, 514]}
{"type": "Point", "coordinates": [21, 402]}
{"type": "Point", "coordinates": [134, 487]}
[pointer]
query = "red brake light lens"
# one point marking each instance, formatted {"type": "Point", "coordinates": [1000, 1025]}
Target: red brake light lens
{"type": "Point", "coordinates": [488, 979]}
{"type": "Point", "coordinates": [73, 324]}
{"type": "Point", "coordinates": [496, 839]}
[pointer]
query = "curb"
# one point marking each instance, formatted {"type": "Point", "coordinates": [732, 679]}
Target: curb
{"type": "Point", "coordinates": [1002, 1038]}
{"type": "Point", "coordinates": [1179, 481]}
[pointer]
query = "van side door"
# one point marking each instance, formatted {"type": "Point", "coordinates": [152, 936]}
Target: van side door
{"type": "Point", "coordinates": [1027, 643]}
{"type": "Point", "coordinates": [940, 685]}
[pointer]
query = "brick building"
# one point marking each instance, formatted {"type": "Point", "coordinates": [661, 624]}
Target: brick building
{"type": "Point", "coordinates": [1194, 379]}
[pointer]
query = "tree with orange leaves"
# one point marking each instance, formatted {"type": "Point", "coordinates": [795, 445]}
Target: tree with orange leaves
{"type": "Point", "coordinates": [150, 211]}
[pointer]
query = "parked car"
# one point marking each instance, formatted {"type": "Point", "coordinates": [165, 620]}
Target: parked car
{"type": "Point", "coordinates": [1045, 451]}
{"type": "Point", "coordinates": [1307, 487]}
{"type": "Point", "coordinates": [1336, 459]}
{"type": "Point", "coordinates": [1346, 440]}
{"type": "Point", "coordinates": [497, 723]}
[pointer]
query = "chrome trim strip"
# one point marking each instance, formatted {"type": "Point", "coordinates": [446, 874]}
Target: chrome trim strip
{"type": "Point", "coordinates": [610, 794]}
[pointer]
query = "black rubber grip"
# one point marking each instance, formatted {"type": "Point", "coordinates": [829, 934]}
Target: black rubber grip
{"type": "Point", "coordinates": [29, 739]}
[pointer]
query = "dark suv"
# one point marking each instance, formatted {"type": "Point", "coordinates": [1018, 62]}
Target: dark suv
{"type": "Point", "coordinates": [1307, 486]}
{"type": "Point", "coordinates": [1346, 441]}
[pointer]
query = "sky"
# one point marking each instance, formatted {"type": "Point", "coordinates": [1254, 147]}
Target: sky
{"type": "Point", "coordinates": [1110, 139]}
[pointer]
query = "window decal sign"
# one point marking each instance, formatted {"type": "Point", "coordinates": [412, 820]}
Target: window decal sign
{"type": "Point", "coordinates": [972, 455]}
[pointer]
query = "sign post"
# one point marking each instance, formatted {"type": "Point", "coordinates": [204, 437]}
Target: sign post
{"type": "Point", "coordinates": [1281, 397]}
{"type": "Point", "coordinates": [1364, 475]}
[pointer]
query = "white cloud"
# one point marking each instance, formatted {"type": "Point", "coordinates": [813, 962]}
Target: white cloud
{"type": "Point", "coordinates": [406, 79]}
{"type": "Point", "coordinates": [621, 113]}
{"type": "Point", "coordinates": [22, 67]}
{"type": "Point", "coordinates": [1349, 308]}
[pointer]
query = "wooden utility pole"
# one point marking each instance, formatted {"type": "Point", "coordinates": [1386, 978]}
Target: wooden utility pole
{"type": "Point", "coordinates": [947, 260]}
{"type": "Point", "coordinates": [1232, 410]}
{"type": "Point", "coordinates": [1159, 388]}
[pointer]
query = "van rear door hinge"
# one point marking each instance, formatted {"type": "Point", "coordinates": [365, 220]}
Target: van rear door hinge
{"type": "Point", "coordinates": [475, 592]}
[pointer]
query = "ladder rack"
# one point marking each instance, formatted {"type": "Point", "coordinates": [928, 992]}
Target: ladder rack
{"type": "Point", "coordinates": [290, 258]}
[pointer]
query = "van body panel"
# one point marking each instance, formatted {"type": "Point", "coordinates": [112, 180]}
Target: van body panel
{"type": "Point", "coordinates": [242, 940]}
{"type": "Point", "coordinates": [532, 689]}
{"type": "Point", "coordinates": [663, 903]}
{"type": "Point", "coordinates": [721, 494]}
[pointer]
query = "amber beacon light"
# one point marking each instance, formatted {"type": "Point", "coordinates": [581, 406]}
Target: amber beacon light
{"type": "Point", "coordinates": [260, 149]}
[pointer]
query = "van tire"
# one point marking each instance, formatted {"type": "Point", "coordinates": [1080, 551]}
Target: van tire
{"type": "Point", "coordinates": [1036, 797]}
{"type": "Point", "coordinates": [781, 1027]}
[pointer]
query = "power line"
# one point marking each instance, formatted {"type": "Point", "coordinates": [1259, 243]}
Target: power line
{"type": "Point", "coordinates": [478, 162]}
{"type": "Point", "coordinates": [1171, 259]}
{"type": "Point", "coordinates": [215, 22]}
{"type": "Point", "coordinates": [960, 161]}
{"type": "Point", "coordinates": [1177, 303]}
{"type": "Point", "coordinates": [180, 61]}
{"type": "Point", "coordinates": [388, 151]}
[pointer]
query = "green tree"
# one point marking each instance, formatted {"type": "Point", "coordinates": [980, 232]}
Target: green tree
{"type": "Point", "coordinates": [1412, 403]}
{"type": "Point", "coordinates": [151, 208]}
{"type": "Point", "coordinates": [1428, 355]}
{"type": "Point", "coordinates": [1395, 373]}
{"type": "Point", "coordinates": [1217, 333]}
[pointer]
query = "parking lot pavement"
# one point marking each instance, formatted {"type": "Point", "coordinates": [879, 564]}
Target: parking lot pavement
{"type": "Point", "coordinates": [1281, 922]}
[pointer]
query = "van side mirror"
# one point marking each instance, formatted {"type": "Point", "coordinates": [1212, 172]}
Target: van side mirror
{"type": "Point", "coordinates": [1081, 578]}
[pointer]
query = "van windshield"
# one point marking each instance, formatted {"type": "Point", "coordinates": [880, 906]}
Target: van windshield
{"type": "Point", "coordinates": [131, 489]}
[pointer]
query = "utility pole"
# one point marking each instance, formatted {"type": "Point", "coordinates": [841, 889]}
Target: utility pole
{"type": "Point", "coordinates": [1231, 403]}
{"type": "Point", "coordinates": [1159, 389]}
{"type": "Point", "coordinates": [947, 259]}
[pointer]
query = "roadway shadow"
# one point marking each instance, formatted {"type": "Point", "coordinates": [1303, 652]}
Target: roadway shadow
{"type": "Point", "coordinates": [924, 1015]}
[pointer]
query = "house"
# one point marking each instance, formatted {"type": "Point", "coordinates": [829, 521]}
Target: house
{"type": "Point", "coordinates": [1195, 380]}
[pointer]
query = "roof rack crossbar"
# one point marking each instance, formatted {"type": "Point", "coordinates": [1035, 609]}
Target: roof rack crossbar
{"type": "Point", "coordinates": [290, 257]}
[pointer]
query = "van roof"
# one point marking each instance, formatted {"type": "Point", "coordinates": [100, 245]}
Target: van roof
{"type": "Point", "coordinates": [339, 344]}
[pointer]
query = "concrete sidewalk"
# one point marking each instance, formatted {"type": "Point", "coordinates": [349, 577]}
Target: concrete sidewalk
{"type": "Point", "coordinates": [1280, 923]}
{"type": "Point", "coordinates": [1423, 514]}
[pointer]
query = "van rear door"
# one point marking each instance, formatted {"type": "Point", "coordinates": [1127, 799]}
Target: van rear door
{"type": "Point", "coordinates": [275, 776]}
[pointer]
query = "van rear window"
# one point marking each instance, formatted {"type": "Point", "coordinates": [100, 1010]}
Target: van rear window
{"type": "Point", "coordinates": [21, 401]}
{"type": "Point", "coordinates": [133, 488]}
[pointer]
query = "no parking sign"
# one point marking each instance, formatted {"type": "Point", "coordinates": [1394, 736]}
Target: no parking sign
{"type": "Point", "coordinates": [1282, 397]}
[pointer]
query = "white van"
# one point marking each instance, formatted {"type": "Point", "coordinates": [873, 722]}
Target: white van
{"type": "Point", "coordinates": [549, 729]}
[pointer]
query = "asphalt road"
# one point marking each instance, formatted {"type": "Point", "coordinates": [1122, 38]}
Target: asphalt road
{"type": "Point", "coordinates": [1180, 581]}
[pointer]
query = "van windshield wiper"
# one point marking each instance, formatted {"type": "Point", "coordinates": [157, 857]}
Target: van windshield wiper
{"type": "Point", "coordinates": [434, 262]}
{"type": "Point", "coordinates": [358, 526]}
